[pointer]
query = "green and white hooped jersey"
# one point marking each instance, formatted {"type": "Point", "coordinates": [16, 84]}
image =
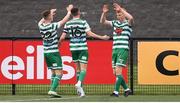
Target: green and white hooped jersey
{"type": "Point", "coordinates": [50, 38]}
{"type": "Point", "coordinates": [121, 34]}
{"type": "Point", "coordinates": [77, 28]}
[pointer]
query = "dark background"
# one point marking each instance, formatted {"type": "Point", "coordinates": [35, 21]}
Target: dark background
{"type": "Point", "coordinates": [153, 18]}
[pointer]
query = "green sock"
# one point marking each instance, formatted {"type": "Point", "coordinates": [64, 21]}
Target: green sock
{"type": "Point", "coordinates": [52, 78]}
{"type": "Point", "coordinates": [82, 75]}
{"type": "Point", "coordinates": [123, 83]}
{"type": "Point", "coordinates": [55, 84]}
{"type": "Point", "coordinates": [118, 82]}
{"type": "Point", "coordinates": [77, 75]}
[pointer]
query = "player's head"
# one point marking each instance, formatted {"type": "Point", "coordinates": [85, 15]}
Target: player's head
{"type": "Point", "coordinates": [75, 12]}
{"type": "Point", "coordinates": [47, 15]}
{"type": "Point", "coordinates": [120, 16]}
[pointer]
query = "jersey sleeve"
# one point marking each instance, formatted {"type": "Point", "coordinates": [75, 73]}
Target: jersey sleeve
{"type": "Point", "coordinates": [112, 23]}
{"type": "Point", "coordinates": [65, 30]}
{"type": "Point", "coordinates": [56, 25]}
{"type": "Point", "coordinates": [87, 27]}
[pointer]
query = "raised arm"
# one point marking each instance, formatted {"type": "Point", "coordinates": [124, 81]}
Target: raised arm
{"type": "Point", "coordinates": [41, 21]}
{"type": "Point", "coordinates": [103, 19]}
{"type": "Point", "coordinates": [66, 18]}
{"type": "Point", "coordinates": [128, 16]}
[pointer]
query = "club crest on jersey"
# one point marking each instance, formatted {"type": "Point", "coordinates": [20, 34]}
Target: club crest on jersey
{"type": "Point", "coordinates": [118, 31]}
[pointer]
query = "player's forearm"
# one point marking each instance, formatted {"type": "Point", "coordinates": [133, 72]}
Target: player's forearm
{"type": "Point", "coordinates": [62, 38]}
{"type": "Point", "coordinates": [41, 21]}
{"type": "Point", "coordinates": [66, 18]}
{"type": "Point", "coordinates": [127, 15]}
{"type": "Point", "coordinates": [91, 34]}
{"type": "Point", "coordinates": [103, 18]}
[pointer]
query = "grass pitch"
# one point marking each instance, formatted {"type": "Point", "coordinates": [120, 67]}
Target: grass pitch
{"type": "Point", "coordinates": [91, 98]}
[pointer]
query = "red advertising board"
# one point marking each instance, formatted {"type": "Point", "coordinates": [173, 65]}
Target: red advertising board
{"type": "Point", "coordinates": [22, 62]}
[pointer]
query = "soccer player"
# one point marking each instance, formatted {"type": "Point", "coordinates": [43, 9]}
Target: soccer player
{"type": "Point", "coordinates": [78, 30]}
{"type": "Point", "coordinates": [122, 32]}
{"type": "Point", "coordinates": [48, 30]}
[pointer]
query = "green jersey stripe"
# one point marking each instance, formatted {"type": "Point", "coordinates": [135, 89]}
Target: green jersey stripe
{"type": "Point", "coordinates": [75, 23]}
{"type": "Point", "coordinates": [125, 42]}
{"type": "Point", "coordinates": [78, 44]}
{"type": "Point", "coordinates": [53, 48]}
{"type": "Point", "coordinates": [121, 37]}
{"type": "Point", "coordinates": [117, 44]}
{"type": "Point", "coordinates": [76, 28]}
{"type": "Point", "coordinates": [121, 34]}
{"type": "Point", "coordinates": [51, 51]}
{"type": "Point", "coordinates": [50, 38]}
{"type": "Point", "coordinates": [79, 48]}
{"type": "Point", "coordinates": [120, 46]}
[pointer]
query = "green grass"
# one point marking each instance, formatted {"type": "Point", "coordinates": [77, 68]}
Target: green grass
{"type": "Point", "coordinates": [90, 98]}
{"type": "Point", "coordinates": [62, 89]}
{"type": "Point", "coordinates": [102, 89]}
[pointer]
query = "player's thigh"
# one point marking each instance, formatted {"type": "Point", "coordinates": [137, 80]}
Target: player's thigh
{"type": "Point", "coordinates": [83, 66]}
{"type": "Point", "coordinates": [83, 57]}
{"type": "Point", "coordinates": [122, 58]}
{"type": "Point", "coordinates": [58, 72]}
{"type": "Point", "coordinates": [118, 70]}
{"type": "Point", "coordinates": [54, 61]}
{"type": "Point", "coordinates": [47, 57]}
{"type": "Point", "coordinates": [78, 68]}
{"type": "Point", "coordinates": [53, 71]}
{"type": "Point", "coordinates": [75, 56]}
{"type": "Point", "coordinates": [114, 58]}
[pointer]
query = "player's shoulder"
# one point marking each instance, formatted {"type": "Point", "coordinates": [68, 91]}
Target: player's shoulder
{"type": "Point", "coordinates": [54, 23]}
{"type": "Point", "coordinates": [83, 20]}
{"type": "Point", "coordinates": [119, 22]}
{"type": "Point", "coordinates": [75, 21]}
{"type": "Point", "coordinates": [68, 22]}
{"type": "Point", "coordinates": [44, 26]}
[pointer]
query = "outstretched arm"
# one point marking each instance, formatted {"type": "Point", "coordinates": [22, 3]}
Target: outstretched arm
{"type": "Point", "coordinates": [103, 19]}
{"type": "Point", "coordinates": [66, 18]}
{"type": "Point", "coordinates": [118, 8]}
{"type": "Point", "coordinates": [90, 33]}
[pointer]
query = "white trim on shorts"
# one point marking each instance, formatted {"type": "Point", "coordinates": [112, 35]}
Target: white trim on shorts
{"type": "Point", "coordinates": [54, 68]}
{"type": "Point", "coordinates": [119, 64]}
{"type": "Point", "coordinates": [82, 61]}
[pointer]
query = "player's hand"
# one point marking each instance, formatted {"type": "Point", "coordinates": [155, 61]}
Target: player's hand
{"type": "Point", "coordinates": [105, 8]}
{"type": "Point", "coordinates": [53, 11]}
{"type": "Point", "coordinates": [105, 37]}
{"type": "Point", "coordinates": [117, 7]}
{"type": "Point", "coordinates": [69, 8]}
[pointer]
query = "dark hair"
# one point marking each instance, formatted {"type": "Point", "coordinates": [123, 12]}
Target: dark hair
{"type": "Point", "coordinates": [45, 14]}
{"type": "Point", "coordinates": [74, 11]}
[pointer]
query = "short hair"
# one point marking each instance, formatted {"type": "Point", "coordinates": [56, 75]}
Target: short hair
{"type": "Point", "coordinates": [74, 11]}
{"type": "Point", "coordinates": [45, 14]}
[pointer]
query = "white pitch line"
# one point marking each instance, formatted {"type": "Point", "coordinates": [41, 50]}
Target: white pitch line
{"type": "Point", "coordinates": [43, 99]}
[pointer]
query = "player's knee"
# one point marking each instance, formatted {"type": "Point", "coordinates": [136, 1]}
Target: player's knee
{"type": "Point", "coordinates": [83, 66]}
{"type": "Point", "coordinates": [58, 72]}
{"type": "Point", "coordinates": [118, 70]}
{"type": "Point", "coordinates": [78, 69]}
{"type": "Point", "coordinates": [83, 69]}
